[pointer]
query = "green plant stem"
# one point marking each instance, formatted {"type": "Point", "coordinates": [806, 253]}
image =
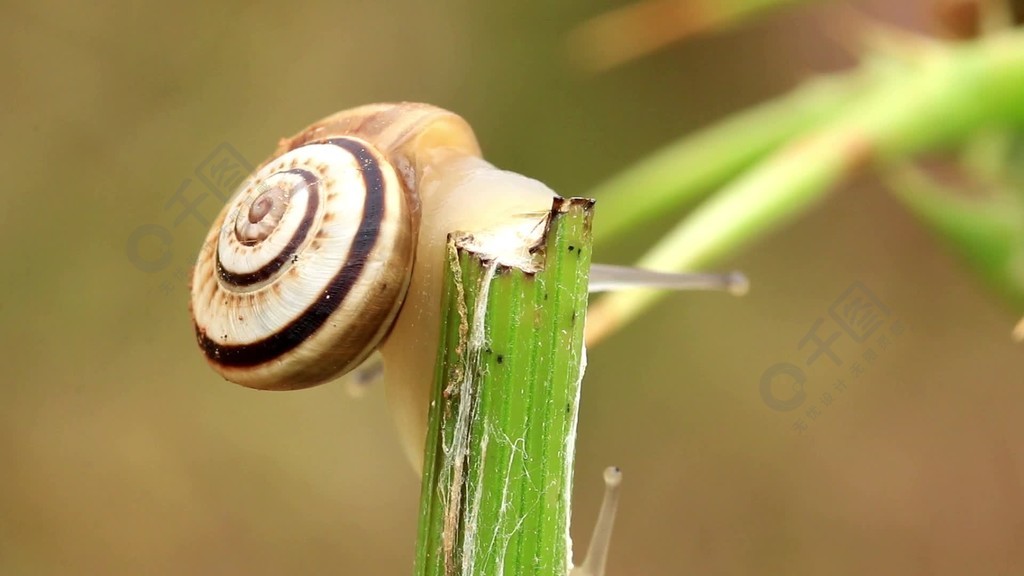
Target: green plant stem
{"type": "Point", "coordinates": [942, 94]}
{"type": "Point", "coordinates": [499, 456]}
{"type": "Point", "coordinates": [690, 169]}
{"type": "Point", "coordinates": [987, 232]}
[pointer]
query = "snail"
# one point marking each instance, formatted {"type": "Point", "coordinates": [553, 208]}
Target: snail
{"type": "Point", "coordinates": [332, 252]}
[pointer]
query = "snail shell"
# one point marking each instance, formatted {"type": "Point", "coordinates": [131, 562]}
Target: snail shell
{"type": "Point", "coordinates": [334, 248]}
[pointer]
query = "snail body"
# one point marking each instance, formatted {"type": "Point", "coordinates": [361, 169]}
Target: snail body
{"type": "Point", "coordinates": [332, 253]}
{"type": "Point", "coordinates": [333, 249]}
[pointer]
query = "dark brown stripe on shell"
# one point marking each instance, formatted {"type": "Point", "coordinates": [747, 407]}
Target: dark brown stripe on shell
{"type": "Point", "coordinates": [316, 315]}
{"type": "Point", "coordinates": [271, 268]}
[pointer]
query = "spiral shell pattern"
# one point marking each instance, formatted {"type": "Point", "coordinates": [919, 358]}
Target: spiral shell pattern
{"type": "Point", "coordinates": [306, 267]}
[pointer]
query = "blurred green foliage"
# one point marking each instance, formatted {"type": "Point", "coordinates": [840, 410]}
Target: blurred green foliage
{"type": "Point", "coordinates": [913, 94]}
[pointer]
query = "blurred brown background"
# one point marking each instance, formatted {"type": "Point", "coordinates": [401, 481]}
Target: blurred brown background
{"type": "Point", "coordinates": [122, 453]}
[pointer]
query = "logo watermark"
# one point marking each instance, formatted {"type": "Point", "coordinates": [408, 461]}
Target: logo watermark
{"type": "Point", "coordinates": [802, 387]}
{"type": "Point", "coordinates": [150, 247]}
